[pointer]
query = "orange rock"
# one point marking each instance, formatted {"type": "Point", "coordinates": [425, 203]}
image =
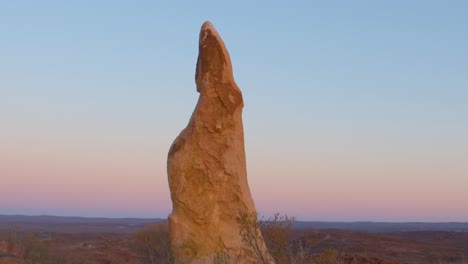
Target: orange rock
{"type": "Point", "coordinates": [206, 163]}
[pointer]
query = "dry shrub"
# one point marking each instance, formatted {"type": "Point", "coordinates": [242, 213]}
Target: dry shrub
{"type": "Point", "coordinates": [35, 250]}
{"type": "Point", "coordinates": [329, 256]}
{"type": "Point", "coordinates": [276, 232]}
{"type": "Point", "coordinates": [250, 231]}
{"type": "Point", "coordinates": [153, 244]}
{"type": "Point", "coordinates": [28, 248]}
{"type": "Point", "coordinates": [279, 238]}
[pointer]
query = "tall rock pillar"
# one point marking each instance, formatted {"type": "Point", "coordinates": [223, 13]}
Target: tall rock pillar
{"type": "Point", "coordinates": [206, 164]}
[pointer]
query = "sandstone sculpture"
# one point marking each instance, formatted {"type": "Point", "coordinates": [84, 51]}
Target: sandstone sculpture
{"type": "Point", "coordinates": [206, 164]}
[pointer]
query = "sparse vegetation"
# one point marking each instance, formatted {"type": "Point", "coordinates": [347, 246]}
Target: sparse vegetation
{"type": "Point", "coordinates": [329, 256]}
{"type": "Point", "coordinates": [277, 235]}
{"type": "Point", "coordinates": [287, 245]}
{"type": "Point", "coordinates": [28, 248]}
{"type": "Point", "coordinates": [34, 249]}
{"type": "Point", "coordinates": [153, 242]}
{"type": "Point", "coordinates": [282, 243]}
{"type": "Point", "coordinates": [250, 231]}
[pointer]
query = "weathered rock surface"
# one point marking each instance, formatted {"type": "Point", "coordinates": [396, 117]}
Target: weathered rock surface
{"type": "Point", "coordinates": [206, 163]}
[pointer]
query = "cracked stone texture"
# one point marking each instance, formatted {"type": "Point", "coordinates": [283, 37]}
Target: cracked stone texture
{"type": "Point", "coordinates": [206, 163]}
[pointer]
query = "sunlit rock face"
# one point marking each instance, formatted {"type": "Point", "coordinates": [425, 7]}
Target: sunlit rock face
{"type": "Point", "coordinates": [206, 164]}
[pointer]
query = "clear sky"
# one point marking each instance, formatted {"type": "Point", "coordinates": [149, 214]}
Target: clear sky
{"type": "Point", "coordinates": [354, 110]}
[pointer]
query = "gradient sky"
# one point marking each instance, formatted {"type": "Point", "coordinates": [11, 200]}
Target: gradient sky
{"type": "Point", "coordinates": [354, 110]}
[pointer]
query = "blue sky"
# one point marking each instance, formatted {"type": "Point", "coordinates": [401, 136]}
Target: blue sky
{"type": "Point", "coordinates": [342, 98]}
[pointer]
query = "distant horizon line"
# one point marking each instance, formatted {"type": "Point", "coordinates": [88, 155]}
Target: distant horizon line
{"type": "Point", "coordinates": [159, 218]}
